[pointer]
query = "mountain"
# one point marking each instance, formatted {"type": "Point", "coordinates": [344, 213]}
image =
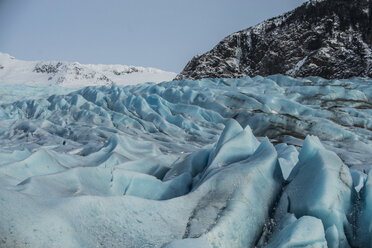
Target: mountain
{"type": "Point", "coordinates": [329, 38]}
{"type": "Point", "coordinates": [74, 74]}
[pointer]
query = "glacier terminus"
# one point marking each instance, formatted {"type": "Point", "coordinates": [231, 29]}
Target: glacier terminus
{"type": "Point", "coordinates": [268, 161]}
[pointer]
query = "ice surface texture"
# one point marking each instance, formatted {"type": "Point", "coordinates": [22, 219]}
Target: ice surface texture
{"type": "Point", "coordinates": [185, 164]}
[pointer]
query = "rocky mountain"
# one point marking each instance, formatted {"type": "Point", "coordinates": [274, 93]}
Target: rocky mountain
{"type": "Point", "coordinates": [73, 74]}
{"type": "Point", "coordinates": [329, 38]}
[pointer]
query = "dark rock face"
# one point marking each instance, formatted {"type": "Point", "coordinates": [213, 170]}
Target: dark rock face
{"type": "Point", "coordinates": [329, 38]}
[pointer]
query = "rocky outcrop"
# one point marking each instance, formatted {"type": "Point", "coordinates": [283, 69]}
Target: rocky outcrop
{"type": "Point", "coordinates": [329, 38]}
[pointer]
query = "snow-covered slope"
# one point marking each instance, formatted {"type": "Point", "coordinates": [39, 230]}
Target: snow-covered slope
{"type": "Point", "coordinates": [329, 38]}
{"type": "Point", "coordinates": [67, 74]}
{"type": "Point", "coordinates": [185, 164]}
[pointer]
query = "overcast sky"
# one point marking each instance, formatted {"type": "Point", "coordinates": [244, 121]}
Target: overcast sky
{"type": "Point", "coordinates": [159, 33]}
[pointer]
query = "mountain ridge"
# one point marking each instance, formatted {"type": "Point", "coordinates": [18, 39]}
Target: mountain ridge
{"type": "Point", "coordinates": [74, 74]}
{"type": "Point", "coordinates": [329, 38]}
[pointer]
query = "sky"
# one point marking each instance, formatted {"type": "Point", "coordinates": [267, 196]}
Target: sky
{"type": "Point", "coordinates": [164, 34]}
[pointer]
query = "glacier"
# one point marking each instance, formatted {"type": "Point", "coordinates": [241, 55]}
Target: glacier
{"type": "Point", "coordinates": [250, 162]}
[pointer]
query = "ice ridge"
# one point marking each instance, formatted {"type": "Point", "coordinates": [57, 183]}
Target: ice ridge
{"type": "Point", "coordinates": [187, 164]}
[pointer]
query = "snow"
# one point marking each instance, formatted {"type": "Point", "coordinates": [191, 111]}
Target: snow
{"type": "Point", "coordinates": [187, 164]}
{"type": "Point", "coordinates": [366, 11]}
{"type": "Point", "coordinates": [297, 67]}
{"type": "Point", "coordinates": [75, 75]}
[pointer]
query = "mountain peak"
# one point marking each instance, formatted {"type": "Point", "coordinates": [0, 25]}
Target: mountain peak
{"type": "Point", "coordinates": [74, 74]}
{"type": "Point", "coordinates": [327, 38]}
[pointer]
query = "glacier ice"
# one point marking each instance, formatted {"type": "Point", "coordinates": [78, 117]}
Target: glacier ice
{"type": "Point", "coordinates": [365, 218]}
{"type": "Point", "coordinates": [306, 231]}
{"type": "Point", "coordinates": [320, 186]}
{"type": "Point", "coordinates": [187, 164]}
{"type": "Point", "coordinates": [287, 158]}
{"type": "Point", "coordinates": [359, 179]}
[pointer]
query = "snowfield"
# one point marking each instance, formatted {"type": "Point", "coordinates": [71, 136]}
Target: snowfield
{"type": "Point", "coordinates": [265, 161]}
{"type": "Point", "coordinates": [75, 75]}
